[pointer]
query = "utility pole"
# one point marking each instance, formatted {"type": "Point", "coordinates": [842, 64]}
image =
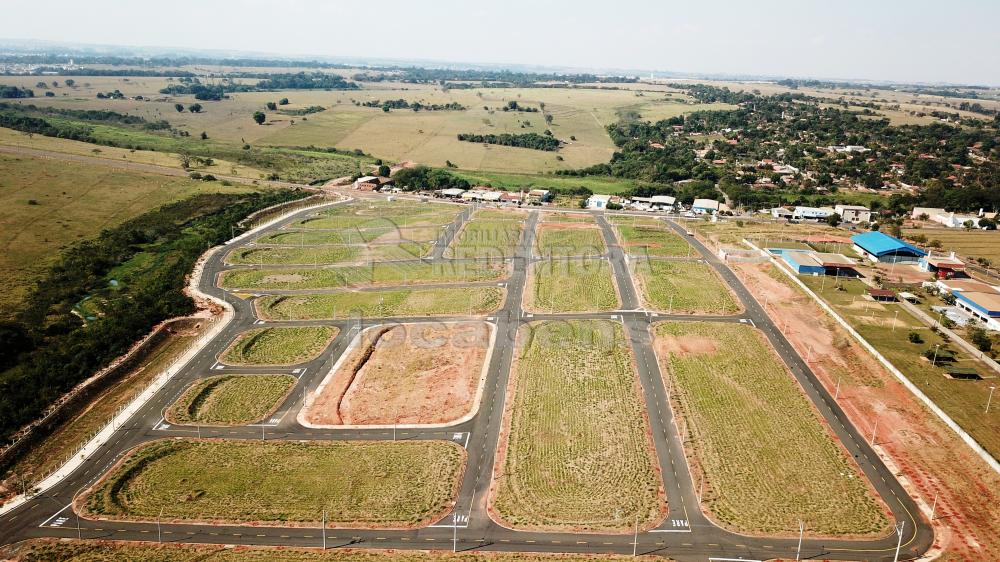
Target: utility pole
{"type": "Point", "coordinates": [895, 320]}
{"type": "Point", "coordinates": [934, 362]}
{"type": "Point", "coordinates": [990, 399]}
{"type": "Point", "coordinates": [837, 394]}
{"type": "Point", "coordinates": [802, 530]}
{"type": "Point", "coordinates": [635, 541]}
{"type": "Point", "coordinates": [899, 541]}
{"type": "Point", "coordinates": [454, 532]}
{"type": "Point", "coordinates": [159, 533]}
{"type": "Point", "coordinates": [324, 530]}
{"type": "Point", "coordinates": [874, 431]}
{"type": "Point", "coordinates": [934, 506]}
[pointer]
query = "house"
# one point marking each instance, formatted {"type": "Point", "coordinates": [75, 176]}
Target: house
{"type": "Point", "coordinates": [481, 195]}
{"type": "Point", "coordinates": [663, 202]}
{"type": "Point", "coordinates": [919, 212]}
{"type": "Point", "coordinates": [879, 247]}
{"type": "Point", "coordinates": [703, 206]}
{"type": "Point", "coordinates": [811, 213]}
{"type": "Point", "coordinates": [941, 267]}
{"type": "Point", "coordinates": [951, 220]}
{"type": "Point", "coordinates": [371, 183]}
{"type": "Point", "coordinates": [597, 201]}
{"type": "Point", "coordinates": [984, 306]}
{"type": "Point", "coordinates": [450, 193]}
{"type": "Point", "coordinates": [781, 213]}
{"type": "Point", "coordinates": [853, 213]}
{"type": "Point", "coordinates": [511, 197]}
{"type": "Point", "coordinates": [539, 195]}
{"type": "Point", "coordinates": [640, 203]}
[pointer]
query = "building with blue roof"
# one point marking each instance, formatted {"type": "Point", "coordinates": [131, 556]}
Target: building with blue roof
{"type": "Point", "coordinates": [880, 247]}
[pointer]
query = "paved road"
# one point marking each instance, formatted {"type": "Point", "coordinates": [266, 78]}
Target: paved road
{"type": "Point", "coordinates": [685, 534]}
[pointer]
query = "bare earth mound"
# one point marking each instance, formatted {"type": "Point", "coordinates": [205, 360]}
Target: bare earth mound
{"type": "Point", "coordinates": [426, 373]}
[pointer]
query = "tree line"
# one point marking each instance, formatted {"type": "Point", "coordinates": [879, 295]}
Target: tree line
{"type": "Point", "coordinates": [525, 140]}
{"type": "Point", "coordinates": [389, 105]}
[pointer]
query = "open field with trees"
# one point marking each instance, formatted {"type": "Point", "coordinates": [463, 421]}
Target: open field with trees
{"type": "Point", "coordinates": [402, 273]}
{"type": "Point", "coordinates": [494, 238]}
{"type": "Point", "coordinates": [656, 241]}
{"type": "Point", "coordinates": [230, 400]}
{"type": "Point", "coordinates": [42, 550]}
{"type": "Point", "coordinates": [690, 287]}
{"type": "Point", "coordinates": [421, 373]}
{"type": "Point", "coordinates": [569, 239]}
{"type": "Point", "coordinates": [731, 390]}
{"type": "Point", "coordinates": [375, 304]}
{"type": "Point", "coordinates": [358, 483]}
{"type": "Point", "coordinates": [571, 286]}
{"type": "Point", "coordinates": [969, 244]}
{"type": "Point", "coordinates": [279, 346]}
{"type": "Point", "coordinates": [560, 466]}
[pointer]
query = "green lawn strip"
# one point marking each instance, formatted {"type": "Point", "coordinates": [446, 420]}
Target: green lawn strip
{"type": "Point", "coordinates": [570, 242]}
{"type": "Point", "coordinates": [47, 550]}
{"type": "Point", "coordinates": [767, 457]}
{"type": "Point", "coordinates": [572, 286]}
{"type": "Point", "coordinates": [374, 274]}
{"type": "Point", "coordinates": [230, 399]}
{"type": "Point", "coordinates": [369, 304]}
{"type": "Point", "coordinates": [657, 240]}
{"type": "Point", "coordinates": [279, 346]}
{"type": "Point", "coordinates": [492, 238]}
{"type": "Point", "coordinates": [963, 400]}
{"type": "Point", "coordinates": [357, 483]}
{"type": "Point", "coordinates": [578, 455]}
{"type": "Point", "coordinates": [684, 287]}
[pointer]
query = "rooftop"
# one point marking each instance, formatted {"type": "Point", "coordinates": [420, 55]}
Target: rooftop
{"type": "Point", "coordinates": [880, 244]}
{"type": "Point", "coordinates": [986, 301]}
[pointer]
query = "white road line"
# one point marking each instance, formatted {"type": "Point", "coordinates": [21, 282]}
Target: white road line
{"type": "Point", "coordinates": [46, 522]}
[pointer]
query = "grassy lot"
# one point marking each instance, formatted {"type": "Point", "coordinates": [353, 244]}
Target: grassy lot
{"type": "Point", "coordinates": [684, 287]}
{"type": "Point", "coordinates": [968, 244]}
{"type": "Point", "coordinates": [374, 304]}
{"type": "Point", "coordinates": [47, 550]}
{"type": "Point", "coordinates": [652, 241]}
{"type": "Point", "coordinates": [380, 215]}
{"type": "Point", "coordinates": [357, 483]}
{"type": "Point", "coordinates": [963, 400]}
{"type": "Point", "coordinates": [555, 241]}
{"type": "Point", "coordinates": [732, 232]}
{"type": "Point", "coordinates": [515, 181]}
{"type": "Point", "coordinates": [732, 390]}
{"type": "Point", "coordinates": [577, 452]}
{"type": "Point", "coordinates": [487, 238]}
{"type": "Point", "coordinates": [66, 438]}
{"type": "Point", "coordinates": [279, 346]}
{"type": "Point", "coordinates": [572, 286]}
{"type": "Point", "coordinates": [567, 218]}
{"type": "Point", "coordinates": [375, 274]}
{"type": "Point", "coordinates": [381, 234]}
{"type": "Point", "coordinates": [230, 399]}
{"type": "Point", "coordinates": [293, 255]}
{"type": "Point", "coordinates": [46, 205]}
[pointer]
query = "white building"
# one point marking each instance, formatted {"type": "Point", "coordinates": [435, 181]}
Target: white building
{"type": "Point", "coordinates": [853, 213]}
{"type": "Point", "coordinates": [811, 213]}
{"type": "Point", "coordinates": [702, 206]}
{"type": "Point", "coordinates": [662, 202]}
{"type": "Point", "coordinates": [598, 201]}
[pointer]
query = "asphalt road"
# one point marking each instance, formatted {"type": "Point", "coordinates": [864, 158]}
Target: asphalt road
{"type": "Point", "coordinates": [685, 534]}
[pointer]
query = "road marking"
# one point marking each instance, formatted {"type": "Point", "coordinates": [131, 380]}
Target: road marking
{"type": "Point", "coordinates": [55, 514]}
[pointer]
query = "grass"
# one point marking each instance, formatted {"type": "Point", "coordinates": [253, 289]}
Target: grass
{"type": "Point", "coordinates": [732, 232]}
{"type": "Point", "coordinates": [230, 400]}
{"type": "Point", "coordinates": [357, 483]}
{"type": "Point", "coordinates": [572, 286]}
{"type": "Point", "coordinates": [567, 217]}
{"type": "Point", "coordinates": [966, 243]}
{"type": "Point", "coordinates": [652, 241]}
{"type": "Point", "coordinates": [487, 238]}
{"type": "Point", "coordinates": [380, 215]}
{"type": "Point", "coordinates": [46, 205]}
{"type": "Point", "coordinates": [688, 287]}
{"type": "Point", "coordinates": [963, 401]}
{"type": "Point", "coordinates": [556, 242]}
{"type": "Point", "coordinates": [47, 550]}
{"type": "Point", "coordinates": [349, 236]}
{"type": "Point", "coordinates": [279, 346]}
{"type": "Point", "coordinates": [577, 454]}
{"type": "Point", "coordinates": [374, 274]}
{"type": "Point", "coordinates": [292, 255]}
{"type": "Point", "coordinates": [731, 390]}
{"type": "Point", "coordinates": [514, 181]}
{"type": "Point", "coordinates": [375, 304]}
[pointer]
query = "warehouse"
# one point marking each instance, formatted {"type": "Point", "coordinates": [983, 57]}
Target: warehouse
{"type": "Point", "coordinates": [879, 247]}
{"type": "Point", "coordinates": [984, 306]}
{"type": "Point", "coordinates": [807, 262]}
{"type": "Point", "coordinates": [942, 267]}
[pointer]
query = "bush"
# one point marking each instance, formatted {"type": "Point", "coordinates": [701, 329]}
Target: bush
{"type": "Point", "coordinates": [914, 337]}
{"type": "Point", "coordinates": [195, 175]}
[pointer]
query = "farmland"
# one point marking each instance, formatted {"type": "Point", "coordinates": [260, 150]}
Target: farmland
{"type": "Point", "coordinates": [358, 483]}
{"type": "Point", "coordinates": [230, 399]}
{"type": "Point", "coordinates": [561, 466]}
{"type": "Point", "coordinates": [684, 287]}
{"type": "Point", "coordinates": [374, 274]}
{"type": "Point", "coordinates": [652, 241]}
{"type": "Point", "coordinates": [487, 238]}
{"type": "Point", "coordinates": [375, 304]}
{"type": "Point", "coordinates": [571, 286]}
{"type": "Point", "coordinates": [422, 373]}
{"type": "Point", "coordinates": [569, 240]}
{"type": "Point", "coordinates": [968, 244]}
{"type": "Point", "coordinates": [732, 389]}
{"type": "Point", "coordinates": [279, 346]}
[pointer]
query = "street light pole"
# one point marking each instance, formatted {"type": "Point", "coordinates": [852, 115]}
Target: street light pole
{"type": "Point", "coordinates": [899, 541]}
{"type": "Point", "coordinates": [990, 399]}
{"type": "Point", "coordinates": [934, 362]}
{"type": "Point", "coordinates": [874, 432]}
{"type": "Point", "coordinates": [454, 532]}
{"type": "Point", "coordinates": [798, 551]}
{"type": "Point", "coordinates": [635, 541]}
{"type": "Point", "coordinates": [324, 530]}
{"type": "Point", "coordinates": [159, 534]}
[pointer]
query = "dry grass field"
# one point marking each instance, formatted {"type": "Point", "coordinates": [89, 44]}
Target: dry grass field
{"type": "Point", "coordinates": [688, 287]}
{"type": "Point", "coordinates": [358, 483]}
{"type": "Point", "coordinates": [966, 243]}
{"type": "Point", "coordinates": [279, 346]}
{"type": "Point", "coordinates": [230, 400]}
{"type": "Point", "coordinates": [575, 452]}
{"type": "Point", "coordinates": [571, 286]}
{"type": "Point", "coordinates": [401, 273]}
{"type": "Point", "coordinates": [560, 239]}
{"type": "Point", "coordinates": [381, 304]}
{"type": "Point", "coordinates": [654, 240]}
{"type": "Point", "coordinates": [764, 454]}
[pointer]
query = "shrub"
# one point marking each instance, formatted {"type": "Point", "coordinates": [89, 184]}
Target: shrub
{"type": "Point", "coordinates": [914, 337]}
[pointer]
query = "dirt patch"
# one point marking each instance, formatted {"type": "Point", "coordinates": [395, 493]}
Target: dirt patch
{"type": "Point", "coordinates": [684, 345]}
{"type": "Point", "coordinates": [426, 373]}
{"type": "Point", "coordinates": [283, 278]}
{"type": "Point", "coordinates": [566, 226]}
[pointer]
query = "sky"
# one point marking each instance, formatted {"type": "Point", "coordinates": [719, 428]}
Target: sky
{"type": "Point", "coordinates": [957, 41]}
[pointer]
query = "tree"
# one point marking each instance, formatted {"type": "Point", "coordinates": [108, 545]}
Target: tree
{"type": "Point", "coordinates": [70, 82]}
{"type": "Point", "coordinates": [271, 106]}
{"type": "Point", "coordinates": [185, 159]}
{"type": "Point", "coordinates": [259, 117]}
{"type": "Point", "coordinates": [969, 225]}
{"type": "Point", "coordinates": [383, 170]}
{"type": "Point", "coordinates": [979, 337]}
{"type": "Point", "coordinates": [987, 224]}
{"type": "Point", "coordinates": [283, 101]}
{"type": "Point", "coordinates": [914, 337]}
{"type": "Point", "coordinates": [195, 108]}
{"type": "Point", "coordinates": [833, 219]}
{"type": "Point", "coordinates": [204, 135]}
{"type": "Point", "coordinates": [895, 230]}
{"type": "Point", "coordinates": [179, 107]}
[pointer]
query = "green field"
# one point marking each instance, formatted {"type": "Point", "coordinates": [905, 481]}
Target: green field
{"type": "Point", "coordinates": [279, 346]}
{"type": "Point", "coordinates": [357, 483]}
{"type": "Point", "coordinates": [731, 391]}
{"type": "Point", "coordinates": [657, 241]}
{"type": "Point", "coordinates": [230, 400]}
{"type": "Point", "coordinates": [577, 454]}
{"type": "Point", "coordinates": [515, 181]}
{"type": "Point", "coordinates": [326, 254]}
{"type": "Point", "coordinates": [572, 286]}
{"type": "Point", "coordinates": [686, 287]}
{"type": "Point", "coordinates": [374, 304]}
{"type": "Point", "coordinates": [557, 241]}
{"type": "Point", "coordinates": [584, 218]}
{"type": "Point", "coordinates": [374, 274]}
{"type": "Point", "coordinates": [42, 550]}
{"type": "Point", "coordinates": [492, 238]}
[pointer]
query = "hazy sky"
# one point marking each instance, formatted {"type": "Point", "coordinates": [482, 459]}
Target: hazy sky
{"type": "Point", "coordinates": [914, 40]}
